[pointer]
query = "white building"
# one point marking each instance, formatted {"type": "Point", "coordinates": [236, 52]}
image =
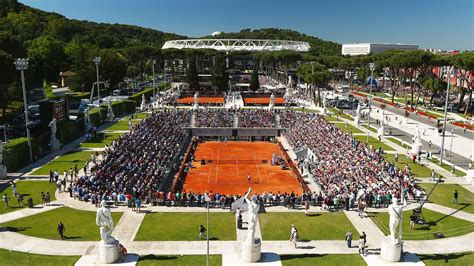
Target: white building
{"type": "Point", "coordinates": [374, 48]}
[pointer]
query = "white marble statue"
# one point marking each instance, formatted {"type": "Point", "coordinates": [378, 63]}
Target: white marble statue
{"type": "Point", "coordinates": [143, 104]}
{"type": "Point", "coordinates": [106, 223]}
{"type": "Point", "coordinates": [53, 127]}
{"type": "Point", "coordinates": [357, 118]}
{"type": "Point", "coordinates": [272, 101]}
{"type": "Point", "coordinates": [87, 118]}
{"type": "Point", "coordinates": [417, 144]}
{"type": "Point", "coordinates": [252, 216]}
{"type": "Point", "coordinates": [290, 82]}
{"type": "Point", "coordinates": [395, 212]}
{"type": "Point", "coordinates": [110, 111]}
{"type": "Point", "coordinates": [196, 101]}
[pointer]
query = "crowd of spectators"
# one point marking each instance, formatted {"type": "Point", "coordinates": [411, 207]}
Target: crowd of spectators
{"type": "Point", "coordinates": [138, 161]}
{"type": "Point", "coordinates": [256, 118]}
{"type": "Point", "coordinates": [344, 167]}
{"type": "Point", "coordinates": [214, 118]}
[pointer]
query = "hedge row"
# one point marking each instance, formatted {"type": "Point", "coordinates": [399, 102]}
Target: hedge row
{"type": "Point", "coordinates": [16, 153]}
{"type": "Point", "coordinates": [137, 97]}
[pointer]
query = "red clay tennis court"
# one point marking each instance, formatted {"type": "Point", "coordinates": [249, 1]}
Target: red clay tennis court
{"type": "Point", "coordinates": [201, 100]}
{"type": "Point", "coordinates": [228, 164]}
{"type": "Point", "coordinates": [278, 100]}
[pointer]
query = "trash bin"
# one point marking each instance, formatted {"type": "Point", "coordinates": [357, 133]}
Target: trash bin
{"type": "Point", "coordinates": [30, 203]}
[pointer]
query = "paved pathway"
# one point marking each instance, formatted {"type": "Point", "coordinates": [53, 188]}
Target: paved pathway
{"type": "Point", "coordinates": [450, 211]}
{"type": "Point", "coordinates": [14, 215]}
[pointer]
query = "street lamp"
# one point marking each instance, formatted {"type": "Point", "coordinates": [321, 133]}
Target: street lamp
{"type": "Point", "coordinates": [153, 70]}
{"type": "Point", "coordinates": [372, 68]}
{"type": "Point", "coordinates": [208, 199]}
{"type": "Point", "coordinates": [448, 71]}
{"type": "Point", "coordinates": [97, 60]}
{"type": "Point", "coordinates": [21, 64]}
{"type": "Point", "coordinates": [451, 145]}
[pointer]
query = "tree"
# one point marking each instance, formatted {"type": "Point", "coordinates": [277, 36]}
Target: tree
{"type": "Point", "coordinates": [220, 78]}
{"type": "Point", "coordinates": [113, 66]}
{"type": "Point", "coordinates": [254, 82]}
{"type": "Point", "coordinates": [46, 56]}
{"type": "Point", "coordinates": [464, 65]}
{"type": "Point", "coordinates": [192, 76]}
{"type": "Point", "coordinates": [315, 74]}
{"type": "Point", "coordinates": [8, 76]}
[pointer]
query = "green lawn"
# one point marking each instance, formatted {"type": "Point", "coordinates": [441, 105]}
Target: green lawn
{"type": "Point", "coordinates": [436, 223]}
{"type": "Point", "coordinates": [80, 225]}
{"type": "Point", "coordinates": [96, 143]}
{"type": "Point", "coordinates": [370, 128]}
{"type": "Point", "coordinates": [375, 142]}
{"type": "Point", "coordinates": [121, 125]}
{"type": "Point", "coordinates": [64, 162]}
{"type": "Point", "coordinates": [136, 116]}
{"type": "Point", "coordinates": [322, 259]}
{"type": "Point", "coordinates": [416, 169]}
{"type": "Point", "coordinates": [318, 226]}
{"type": "Point", "coordinates": [448, 167]}
{"type": "Point", "coordinates": [398, 142]}
{"type": "Point", "coordinates": [331, 118]}
{"type": "Point", "coordinates": [466, 259]}
{"type": "Point", "coordinates": [185, 226]}
{"type": "Point", "coordinates": [339, 113]}
{"type": "Point", "coordinates": [172, 260]}
{"type": "Point", "coordinates": [29, 189]}
{"type": "Point", "coordinates": [443, 195]}
{"type": "Point", "coordinates": [347, 128]}
{"type": "Point", "coordinates": [15, 258]}
{"type": "Point", "coordinates": [300, 109]}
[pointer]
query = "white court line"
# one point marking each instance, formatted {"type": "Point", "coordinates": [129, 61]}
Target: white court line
{"type": "Point", "coordinates": [210, 168]}
{"type": "Point", "coordinates": [217, 165]}
{"type": "Point", "coordinates": [256, 164]}
{"type": "Point", "coordinates": [266, 175]}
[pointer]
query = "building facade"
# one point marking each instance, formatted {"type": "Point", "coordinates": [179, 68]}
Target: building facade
{"type": "Point", "coordinates": [374, 48]}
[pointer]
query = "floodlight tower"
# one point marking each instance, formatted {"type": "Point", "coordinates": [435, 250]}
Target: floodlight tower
{"type": "Point", "coordinates": [21, 64]}
{"type": "Point", "coordinates": [372, 68]}
{"type": "Point", "coordinates": [96, 61]}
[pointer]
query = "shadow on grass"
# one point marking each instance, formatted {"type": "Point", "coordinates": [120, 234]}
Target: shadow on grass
{"type": "Point", "coordinates": [300, 256]}
{"type": "Point", "coordinates": [72, 237]}
{"type": "Point", "coordinates": [16, 229]}
{"type": "Point", "coordinates": [157, 258]}
{"type": "Point", "coordinates": [443, 257]}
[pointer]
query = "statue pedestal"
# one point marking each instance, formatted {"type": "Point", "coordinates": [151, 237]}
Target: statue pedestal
{"type": "Point", "coordinates": [251, 252]}
{"type": "Point", "coordinates": [109, 253]}
{"type": "Point", "coordinates": [390, 251]}
{"type": "Point", "coordinates": [55, 144]}
{"type": "Point", "coordinates": [3, 171]}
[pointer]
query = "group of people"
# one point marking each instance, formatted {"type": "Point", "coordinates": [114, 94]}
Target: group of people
{"type": "Point", "coordinates": [256, 118]}
{"type": "Point", "coordinates": [138, 161]}
{"type": "Point", "coordinates": [344, 168]}
{"type": "Point", "coordinates": [213, 118]}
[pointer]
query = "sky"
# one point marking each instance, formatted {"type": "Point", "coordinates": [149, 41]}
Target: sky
{"type": "Point", "coordinates": [439, 24]}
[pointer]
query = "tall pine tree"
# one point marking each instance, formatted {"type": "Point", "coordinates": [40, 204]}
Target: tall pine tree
{"type": "Point", "coordinates": [254, 82]}
{"type": "Point", "coordinates": [192, 76]}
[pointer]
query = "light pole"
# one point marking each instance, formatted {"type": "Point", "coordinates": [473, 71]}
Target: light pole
{"type": "Point", "coordinates": [448, 70]}
{"type": "Point", "coordinates": [153, 70]}
{"type": "Point", "coordinates": [451, 145]}
{"type": "Point", "coordinates": [208, 199]}
{"type": "Point", "coordinates": [97, 62]}
{"type": "Point", "coordinates": [21, 64]}
{"type": "Point", "coordinates": [372, 68]}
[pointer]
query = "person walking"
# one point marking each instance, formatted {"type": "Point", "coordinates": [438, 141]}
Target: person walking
{"type": "Point", "coordinates": [294, 235]}
{"type": "Point", "coordinates": [432, 178]}
{"type": "Point", "coordinates": [7, 200]}
{"type": "Point", "coordinates": [61, 230]}
{"type": "Point", "coordinates": [413, 221]}
{"type": "Point", "coordinates": [349, 238]}
{"type": "Point", "coordinates": [202, 230]}
{"type": "Point", "coordinates": [306, 208]}
{"type": "Point", "coordinates": [455, 196]}
{"type": "Point", "coordinates": [138, 203]}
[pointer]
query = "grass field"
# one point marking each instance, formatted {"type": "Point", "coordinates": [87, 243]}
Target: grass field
{"type": "Point", "coordinates": [448, 167]}
{"type": "Point", "coordinates": [64, 162]}
{"type": "Point", "coordinates": [185, 226]}
{"type": "Point", "coordinates": [463, 259]}
{"type": "Point", "coordinates": [180, 260]}
{"type": "Point", "coordinates": [443, 195]}
{"type": "Point", "coordinates": [370, 128]}
{"type": "Point", "coordinates": [15, 258]}
{"type": "Point", "coordinates": [318, 226]}
{"type": "Point", "coordinates": [122, 125]}
{"type": "Point", "coordinates": [436, 223]}
{"type": "Point", "coordinates": [322, 259]}
{"type": "Point", "coordinates": [136, 116]}
{"type": "Point", "coordinates": [79, 225]}
{"type": "Point", "coordinates": [96, 143]}
{"type": "Point", "coordinates": [416, 169]}
{"type": "Point", "coordinates": [300, 109]}
{"type": "Point", "coordinates": [29, 189]}
{"type": "Point", "coordinates": [399, 143]}
{"type": "Point", "coordinates": [339, 113]}
{"type": "Point", "coordinates": [347, 128]}
{"type": "Point", "coordinates": [375, 142]}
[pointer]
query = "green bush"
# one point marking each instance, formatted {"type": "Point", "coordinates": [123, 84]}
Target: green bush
{"type": "Point", "coordinates": [137, 97]}
{"type": "Point", "coordinates": [16, 154]}
{"type": "Point", "coordinates": [68, 130]}
{"type": "Point", "coordinates": [119, 108]}
{"type": "Point", "coordinates": [78, 96]}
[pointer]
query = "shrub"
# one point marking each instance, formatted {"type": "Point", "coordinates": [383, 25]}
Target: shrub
{"type": "Point", "coordinates": [16, 154]}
